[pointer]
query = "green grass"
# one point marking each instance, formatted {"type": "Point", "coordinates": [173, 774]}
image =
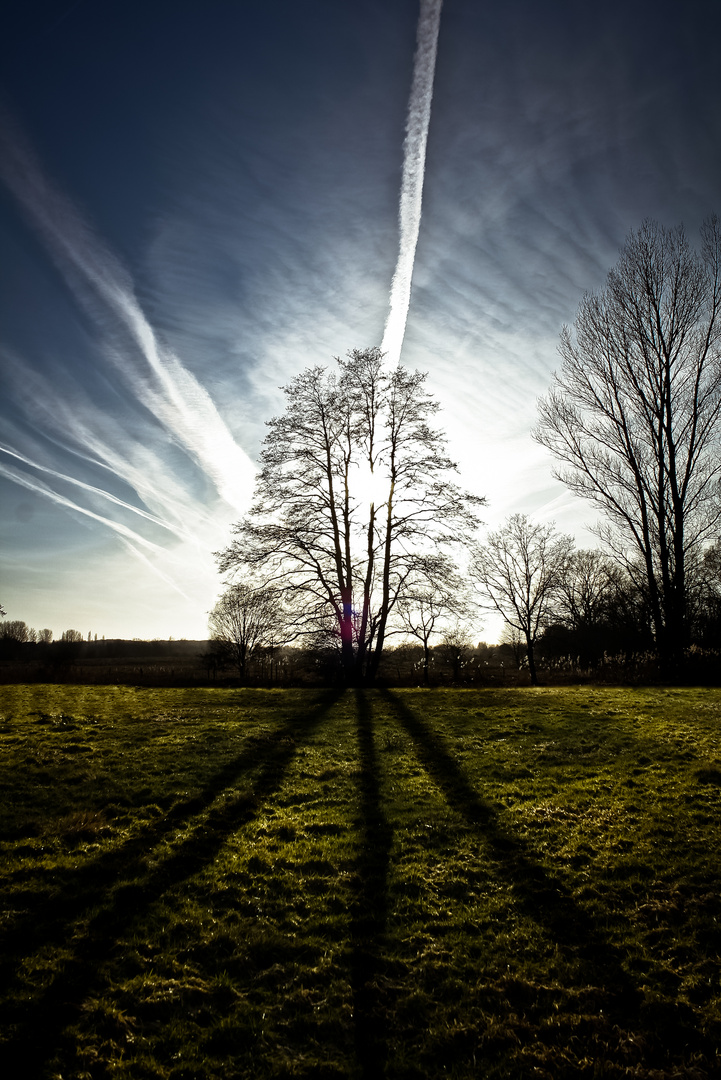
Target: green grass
{"type": "Point", "coordinates": [247, 883]}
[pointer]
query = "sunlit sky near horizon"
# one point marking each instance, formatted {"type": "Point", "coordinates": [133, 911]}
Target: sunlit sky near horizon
{"type": "Point", "coordinates": [198, 200]}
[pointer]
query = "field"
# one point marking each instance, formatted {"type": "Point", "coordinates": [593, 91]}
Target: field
{"type": "Point", "coordinates": [414, 883]}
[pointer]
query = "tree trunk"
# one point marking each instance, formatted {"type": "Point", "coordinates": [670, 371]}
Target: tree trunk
{"type": "Point", "coordinates": [531, 661]}
{"type": "Point", "coordinates": [346, 635]}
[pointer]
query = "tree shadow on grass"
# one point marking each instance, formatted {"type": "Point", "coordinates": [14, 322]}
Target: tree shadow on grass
{"type": "Point", "coordinates": [370, 910]}
{"type": "Point", "coordinates": [75, 890]}
{"type": "Point", "coordinates": [669, 1030]}
{"type": "Point", "coordinates": [123, 888]}
{"type": "Point", "coordinates": [541, 895]}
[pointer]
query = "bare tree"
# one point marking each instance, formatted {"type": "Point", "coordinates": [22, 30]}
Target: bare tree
{"type": "Point", "coordinates": [585, 589]}
{"type": "Point", "coordinates": [520, 568]}
{"type": "Point", "coordinates": [244, 620]}
{"type": "Point", "coordinates": [635, 413]}
{"type": "Point", "coordinates": [45, 636]}
{"type": "Point", "coordinates": [436, 594]}
{"type": "Point", "coordinates": [455, 649]}
{"type": "Point", "coordinates": [598, 609]}
{"type": "Point", "coordinates": [14, 636]}
{"type": "Point", "coordinates": [513, 642]}
{"type": "Point", "coordinates": [16, 630]}
{"type": "Point", "coordinates": [353, 491]}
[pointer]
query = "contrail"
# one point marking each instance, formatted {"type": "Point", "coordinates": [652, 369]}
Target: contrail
{"type": "Point", "coordinates": [155, 569]}
{"type": "Point", "coordinates": [126, 536]}
{"type": "Point", "coordinates": [414, 163]}
{"type": "Point", "coordinates": [42, 489]}
{"type": "Point", "coordinates": [167, 389]}
{"type": "Point", "coordinates": [76, 428]}
{"type": "Point", "coordinates": [92, 489]}
{"type": "Point", "coordinates": [71, 420]}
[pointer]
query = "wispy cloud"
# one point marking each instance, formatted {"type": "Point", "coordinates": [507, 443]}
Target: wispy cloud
{"type": "Point", "coordinates": [64, 419]}
{"type": "Point", "coordinates": [414, 164]}
{"type": "Point", "coordinates": [163, 385]}
{"type": "Point", "coordinates": [89, 488]}
{"type": "Point", "coordinates": [176, 531]}
{"type": "Point", "coordinates": [40, 488]}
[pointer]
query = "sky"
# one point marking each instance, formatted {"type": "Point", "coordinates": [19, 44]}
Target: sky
{"type": "Point", "coordinates": [199, 200]}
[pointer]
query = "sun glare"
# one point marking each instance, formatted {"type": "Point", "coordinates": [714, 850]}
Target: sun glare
{"type": "Point", "coordinates": [369, 486]}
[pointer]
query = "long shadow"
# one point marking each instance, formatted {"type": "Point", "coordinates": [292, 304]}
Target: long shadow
{"type": "Point", "coordinates": [78, 890]}
{"type": "Point", "coordinates": [370, 909]}
{"type": "Point", "coordinates": [129, 888]}
{"type": "Point", "coordinates": [541, 895]}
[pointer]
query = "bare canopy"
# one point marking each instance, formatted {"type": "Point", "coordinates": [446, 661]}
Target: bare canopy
{"type": "Point", "coordinates": [355, 490]}
{"type": "Point", "coordinates": [521, 568]}
{"type": "Point", "coordinates": [244, 619]}
{"type": "Point", "coordinates": [634, 413]}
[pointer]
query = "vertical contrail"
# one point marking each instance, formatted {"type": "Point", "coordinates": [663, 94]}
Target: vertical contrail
{"type": "Point", "coordinates": [414, 162]}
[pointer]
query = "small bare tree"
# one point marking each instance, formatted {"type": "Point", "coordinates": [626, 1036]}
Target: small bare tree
{"type": "Point", "coordinates": [520, 569]}
{"type": "Point", "coordinates": [587, 588]}
{"type": "Point", "coordinates": [244, 620]}
{"type": "Point", "coordinates": [455, 649]}
{"type": "Point", "coordinates": [436, 595]}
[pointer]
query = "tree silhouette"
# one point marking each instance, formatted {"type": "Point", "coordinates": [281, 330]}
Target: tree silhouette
{"type": "Point", "coordinates": [436, 594]}
{"type": "Point", "coordinates": [244, 620]}
{"type": "Point", "coordinates": [354, 491]}
{"type": "Point", "coordinates": [634, 416]}
{"type": "Point", "coordinates": [520, 568]}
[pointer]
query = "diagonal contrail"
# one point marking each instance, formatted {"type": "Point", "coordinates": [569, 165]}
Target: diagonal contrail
{"type": "Point", "coordinates": [166, 387]}
{"type": "Point", "coordinates": [71, 421]}
{"type": "Point", "coordinates": [131, 539]}
{"type": "Point", "coordinates": [37, 486]}
{"type": "Point", "coordinates": [414, 163]}
{"type": "Point", "coordinates": [91, 488]}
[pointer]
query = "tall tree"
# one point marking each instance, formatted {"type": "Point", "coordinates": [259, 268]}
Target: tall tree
{"type": "Point", "coordinates": [354, 491]}
{"type": "Point", "coordinates": [521, 568]}
{"type": "Point", "coordinates": [635, 413]}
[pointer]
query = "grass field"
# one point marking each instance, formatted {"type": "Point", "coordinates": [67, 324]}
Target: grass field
{"type": "Point", "coordinates": [248, 883]}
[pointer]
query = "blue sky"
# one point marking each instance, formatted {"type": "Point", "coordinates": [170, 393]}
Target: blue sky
{"type": "Point", "coordinates": [198, 200]}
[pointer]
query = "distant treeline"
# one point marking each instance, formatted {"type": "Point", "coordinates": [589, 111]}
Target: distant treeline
{"type": "Point", "coordinates": [17, 641]}
{"type": "Point", "coordinates": [112, 660]}
{"type": "Point", "coordinates": [453, 662]}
